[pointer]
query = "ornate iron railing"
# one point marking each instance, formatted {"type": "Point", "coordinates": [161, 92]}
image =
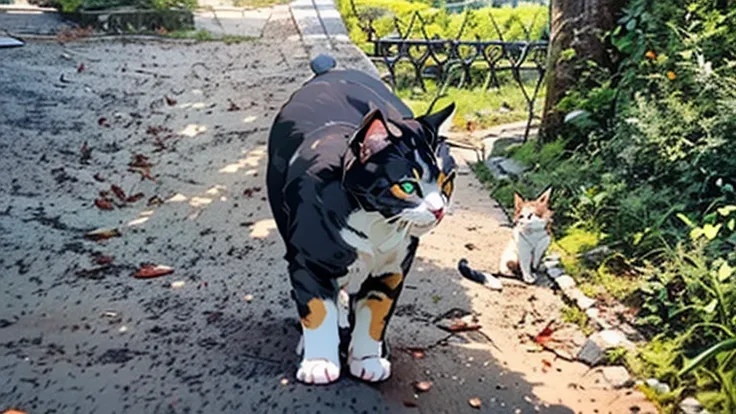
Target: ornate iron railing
{"type": "Point", "coordinates": [456, 62]}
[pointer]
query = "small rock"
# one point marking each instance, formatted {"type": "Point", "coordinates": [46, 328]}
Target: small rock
{"type": "Point", "coordinates": [555, 272]}
{"type": "Point", "coordinates": [552, 257]}
{"type": "Point", "coordinates": [248, 298]}
{"type": "Point", "coordinates": [658, 387]}
{"type": "Point", "coordinates": [512, 167]}
{"type": "Point", "coordinates": [692, 406]}
{"type": "Point", "coordinates": [594, 350]}
{"type": "Point", "coordinates": [618, 377]}
{"type": "Point", "coordinates": [565, 282]}
{"type": "Point", "coordinates": [597, 255]}
{"type": "Point", "coordinates": [177, 284]}
{"type": "Point", "coordinates": [593, 313]}
{"type": "Point", "coordinates": [580, 299]}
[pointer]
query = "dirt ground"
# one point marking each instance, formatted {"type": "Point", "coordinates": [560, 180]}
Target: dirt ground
{"type": "Point", "coordinates": [218, 335]}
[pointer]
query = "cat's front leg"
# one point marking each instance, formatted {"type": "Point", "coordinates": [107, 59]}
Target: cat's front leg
{"type": "Point", "coordinates": [539, 250]}
{"type": "Point", "coordinates": [373, 307]}
{"type": "Point", "coordinates": [317, 306]}
{"type": "Point", "coordinates": [526, 255]}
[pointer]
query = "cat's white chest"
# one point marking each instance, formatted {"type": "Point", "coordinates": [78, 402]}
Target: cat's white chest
{"type": "Point", "coordinates": [381, 248]}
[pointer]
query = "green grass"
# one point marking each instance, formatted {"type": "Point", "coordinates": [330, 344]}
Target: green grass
{"type": "Point", "coordinates": [205, 36]}
{"type": "Point", "coordinates": [573, 314]}
{"type": "Point", "coordinates": [258, 4]}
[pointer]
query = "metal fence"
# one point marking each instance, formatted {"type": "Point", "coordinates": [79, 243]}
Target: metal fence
{"type": "Point", "coordinates": [456, 62]}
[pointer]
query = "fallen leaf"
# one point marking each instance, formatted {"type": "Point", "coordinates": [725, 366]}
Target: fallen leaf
{"type": "Point", "coordinates": [545, 335]}
{"type": "Point", "coordinates": [416, 353]}
{"type": "Point", "coordinates": [104, 260]}
{"type": "Point", "coordinates": [410, 403]}
{"type": "Point", "coordinates": [80, 68]}
{"type": "Point", "coordinates": [169, 101]}
{"type": "Point", "coordinates": [99, 177]}
{"type": "Point", "coordinates": [150, 271]}
{"type": "Point", "coordinates": [135, 197]}
{"type": "Point", "coordinates": [423, 386]}
{"type": "Point", "coordinates": [102, 121]}
{"type": "Point", "coordinates": [233, 106]}
{"type": "Point", "coordinates": [85, 153]}
{"type": "Point", "coordinates": [475, 402]}
{"type": "Point", "coordinates": [139, 161]}
{"type": "Point", "coordinates": [102, 234]}
{"type": "Point", "coordinates": [459, 325]}
{"type": "Point", "coordinates": [546, 365]}
{"type": "Point", "coordinates": [470, 246]}
{"type": "Point", "coordinates": [248, 192]}
{"type": "Point", "coordinates": [118, 192]}
{"type": "Point", "coordinates": [144, 172]}
{"type": "Point", "coordinates": [155, 201]}
{"type": "Point", "coordinates": [103, 204]}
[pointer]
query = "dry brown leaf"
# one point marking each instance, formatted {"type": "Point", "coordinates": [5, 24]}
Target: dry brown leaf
{"type": "Point", "coordinates": [102, 234]}
{"type": "Point", "coordinates": [475, 402]}
{"type": "Point", "coordinates": [423, 386]}
{"type": "Point", "coordinates": [410, 403]}
{"type": "Point", "coordinates": [119, 193]}
{"type": "Point", "coordinates": [104, 260]}
{"type": "Point", "coordinates": [135, 197]}
{"type": "Point", "coordinates": [103, 204]}
{"type": "Point", "coordinates": [169, 101]}
{"type": "Point", "coordinates": [150, 271]}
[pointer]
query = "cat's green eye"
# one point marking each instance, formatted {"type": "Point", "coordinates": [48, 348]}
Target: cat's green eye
{"type": "Point", "coordinates": [408, 187]}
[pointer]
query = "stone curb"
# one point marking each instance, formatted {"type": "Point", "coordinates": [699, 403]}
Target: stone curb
{"type": "Point", "coordinates": [322, 30]}
{"type": "Point", "coordinates": [607, 337]}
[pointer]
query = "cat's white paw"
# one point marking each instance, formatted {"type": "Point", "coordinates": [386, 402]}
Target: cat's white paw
{"type": "Point", "coordinates": [371, 369]}
{"type": "Point", "coordinates": [318, 371]}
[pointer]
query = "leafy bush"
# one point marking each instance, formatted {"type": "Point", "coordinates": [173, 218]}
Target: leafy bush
{"type": "Point", "coordinates": [69, 6]}
{"type": "Point", "coordinates": [645, 163]}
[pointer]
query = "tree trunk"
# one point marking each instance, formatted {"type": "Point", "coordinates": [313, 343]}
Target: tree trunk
{"type": "Point", "coordinates": [580, 25]}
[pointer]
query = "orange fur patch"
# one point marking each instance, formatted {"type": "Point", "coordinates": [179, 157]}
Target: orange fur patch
{"type": "Point", "coordinates": [392, 280]}
{"type": "Point", "coordinates": [317, 314]}
{"type": "Point", "coordinates": [380, 307]}
{"type": "Point", "coordinates": [398, 192]}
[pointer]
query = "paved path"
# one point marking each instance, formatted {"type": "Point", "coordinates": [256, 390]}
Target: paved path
{"type": "Point", "coordinates": [218, 335]}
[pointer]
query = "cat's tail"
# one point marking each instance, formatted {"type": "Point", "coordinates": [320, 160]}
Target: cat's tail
{"type": "Point", "coordinates": [322, 64]}
{"type": "Point", "coordinates": [488, 280]}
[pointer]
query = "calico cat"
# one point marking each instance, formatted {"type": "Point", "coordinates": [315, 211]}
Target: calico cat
{"type": "Point", "coordinates": [353, 180]}
{"type": "Point", "coordinates": [531, 237]}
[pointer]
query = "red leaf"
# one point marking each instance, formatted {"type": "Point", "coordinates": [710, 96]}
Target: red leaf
{"type": "Point", "coordinates": [103, 260]}
{"type": "Point", "coordinates": [170, 101]}
{"type": "Point", "coordinates": [118, 192]}
{"type": "Point", "coordinates": [545, 335]}
{"type": "Point", "coordinates": [546, 365]}
{"type": "Point", "coordinates": [80, 68]}
{"type": "Point", "coordinates": [135, 197]}
{"type": "Point", "coordinates": [150, 271]}
{"type": "Point", "coordinates": [103, 204]}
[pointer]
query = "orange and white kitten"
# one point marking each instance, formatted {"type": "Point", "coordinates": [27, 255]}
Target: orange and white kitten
{"type": "Point", "coordinates": [531, 237]}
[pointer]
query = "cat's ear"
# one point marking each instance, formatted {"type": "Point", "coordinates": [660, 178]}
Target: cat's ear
{"type": "Point", "coordinates": [439, 122]}
{"type": "Point", "coordinates": [544, 198]}
{"type": "Point", "coordinates": [518, 202]}
{"type": "Point", "coordinates": [371, 138]}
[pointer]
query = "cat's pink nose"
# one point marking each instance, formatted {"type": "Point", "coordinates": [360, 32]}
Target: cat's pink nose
{"type": "Point", "coordinates": [438, 214]}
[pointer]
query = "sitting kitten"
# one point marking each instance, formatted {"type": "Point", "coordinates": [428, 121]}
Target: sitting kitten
{"type": "Point", "coordinates": [531, 237]}
{"type": "Point", "coordinates": [353, 180]}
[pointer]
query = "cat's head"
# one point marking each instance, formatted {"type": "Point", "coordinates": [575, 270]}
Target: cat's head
{"type": "Point", "coordinates": [533, 214]}
{"type": "Point", "coordinates": [402, 169]}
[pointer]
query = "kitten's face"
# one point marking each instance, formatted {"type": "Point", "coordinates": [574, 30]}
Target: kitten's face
{"type": "Point", "coordinates": [532, 215]}
{"type": "Point", "coordinates": [404, 171]}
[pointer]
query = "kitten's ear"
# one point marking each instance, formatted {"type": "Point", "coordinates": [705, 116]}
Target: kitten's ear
{"type": "Point", "coordinates": [544, 198]}
{"type": "Point", "coordinates": [371, 138]}
{"type": "Point", "coordinates": [518, 201]}
{"type": "Point", "coordinates": [439, 122]}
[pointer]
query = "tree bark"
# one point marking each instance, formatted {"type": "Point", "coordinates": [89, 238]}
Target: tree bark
{"type": "Point", "coordinates": [580, 25]}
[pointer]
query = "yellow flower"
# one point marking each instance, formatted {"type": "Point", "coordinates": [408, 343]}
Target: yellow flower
{"type": "Point", "coordinates": [650, 55]}
{"type": "Point", "coordinates": [671, 75]}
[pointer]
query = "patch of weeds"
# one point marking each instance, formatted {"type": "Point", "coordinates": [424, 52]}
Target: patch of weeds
{"type": "Point", "coordinates": [436, 299]}
{"type": "Point", "coordinates": [205, 36]}
{"type": "Point", "coordinates": [574, 315]}
{"type": "Point", "coordinates": [616, 356]}
{"type": "Point", "coordinates": [258, 4]}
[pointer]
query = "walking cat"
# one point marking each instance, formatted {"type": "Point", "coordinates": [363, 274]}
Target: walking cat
{"type": "Point", "coordinates": [530, 238]}
{"type": "Point", "coordinates": [353, 180]}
